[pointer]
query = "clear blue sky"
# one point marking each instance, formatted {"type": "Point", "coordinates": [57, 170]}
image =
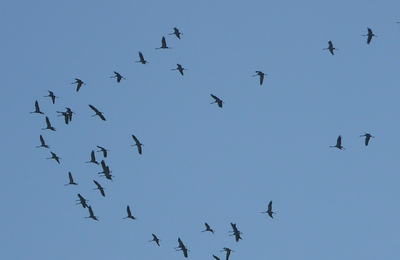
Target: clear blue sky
{"type": "Point", "coordinates": [201, 163]}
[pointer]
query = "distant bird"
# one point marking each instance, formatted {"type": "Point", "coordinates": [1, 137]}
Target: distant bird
{"type": "Point", "coordinates": [98, 113]}
{"type": "Point", "coordinates": [180, 68]}
{"type": "Point", "coordinates": [338, 143]}
{"type": "Point", "coordinates": [182, 248]}
{"type": "Point", "coordinates": [106, 170]}
{"type": "Point", "coordinates": [259, 73]}
{"type": "Point", "coordinates": [330, 48]}
{"type": "Point", "coordinates": [216, 257]}
{"type": "Point", "coordinates": [66, 116]}
{"type": "Point", "coordinates": [367, 137]}
{"type": "Point", "coordinates": [104, 150]}
{"type": "Point", "coordinates": [49, 125]}
{"type": "Point", "coordinates": [228, 252]}
{"type": "Point", "coordinates": [128, 210]}
{"type": "Point", "coordinates": [37, 109]}
{"type": "Point", "coordinates": [91, 215]}
{"type": "Point", "coordinates": [370, 35]}
{"type": "Point", "coordinates": [71, 180]}
{"type": "Point", "coordinates": [82, 201]}
{"type": "Point", "coordinates": [269, 211]}
{"type": "Point", "coordinates": [43, 144]}
{"type": "Point", "coordinates": [217, 100]}
{"type": "Point", "coordinates": [141, 59]}
{"type": "Point", "coordinates": [55, 157]}
{"type": "Point", "coordinates": [69, 112]}
{"type": "Point", "coordinates": [101, 189]}
{"type": "Point", "coordinates": [177, 33]}
{"type": "Point", "coordinates": [79, 84]}
{"type": "Point", "coordinates": [118, 76]}
{"type": "Point", "coordinates": [163, 44]}
{"type": "Point", "coordinates": [155, 239]}
{"type": "Point", "coordinates": [235, 232]}
{"type": "Point", "coordinates": [92, 158]}
{"type": "Point", "coordinates": [52, 96]}
{"type": "Point", "coordinates": [138, 144]}
{"type": "Point", "coordinates": [208, 228]}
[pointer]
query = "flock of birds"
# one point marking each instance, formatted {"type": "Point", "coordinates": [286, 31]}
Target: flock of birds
{"type": "Point", "coordinates": [106, 172]}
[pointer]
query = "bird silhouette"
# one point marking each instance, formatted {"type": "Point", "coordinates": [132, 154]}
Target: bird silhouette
{"type": "Point", "coordinates": [269, 211]}
{"type": "Point", "coordinates": [98, 113]}
{"type": "Point", "coordinates": [82, 201]}
{"type": "Point", "coordinates": [118, 76]}
{"type": "Point", "coordinates": [367, 137]}
{"type": "Point", "coordinates": [138, 144]}
{"type": "Point", "coordinates": [66, 116]}
{"type": "Point", "coordinates": [182, 247]}
{"type": "Point", "coordinates": [101, 189]}
{"type": "Point", "coordinates": [91, 215]}
{"type": "Point", "coordinates": [106, 170]}
{"type": "Point", "coordinates": [55, 157]}
{"type": "Point", "coordinates": [370, 35]}
{"type": "Point", "coordinates": [180, 68]}
{"type": "Point", "coordinates": [208, 228]}
{"type": "Point", "coordinates": [338, 143]}
{"type": "Point", "coordinates": [228, 252]}
{"type": "Point", "coordinates": [78, 83]}
{"type": "Point", "coordinates": [330, 48]}
{"type": "Point", "coordinates": [128, 210]}
{"type": "Point", "coordinates": [163, 44]}
{"type": "Point", "coordinates": [217, 100]}
{"type": "Point", "coordinates": [48, 125]}
{"type": "Point", "coordinates": [104, 150]}
{"type": "Point", "coordinates": [92, 158]}
{"type": "Point", "coordinates": [155, 239]}
{"type": "Point", "coordinates": [177, 33]}
{"type": "Point", "coordinates": [43, 144]}
{"type": "Point", "coordinates": [142, 60]}
{"type": "Point", "coordinates": [71, 180]}
{"type": "Point", "coordinates": [259, 73]}
{"type": "Point", "coordinates": [37, 109]}
{"type": "Point", "coordinates": [52, 96]}
{"type": "Point", "coordinates": [235, 232]}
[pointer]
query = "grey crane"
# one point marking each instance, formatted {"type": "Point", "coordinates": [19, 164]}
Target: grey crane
{"type": "Point", "coordinates": [55, 157]}
{"type": "Point", "coordinates": [163, 44]}
{"type": "Point", "coordinates": [78, 83]}
{"type": "Point", "coordinates": [92, 158]}
{"type": "Point", "coordinates": [101, 189]}
{"type": "Point", "coordinates": [177, 33]}
{"type": "Point", "coordinates": [91, 215]}
{"type": "Point", "coordinates": [180, 68]}
{"type": "Point", "coordinates": [52, 96]}
{"type": "Point", "coordinates": [330, 47]}
{"type": "Point", "coordinates": [118, 76]}
{"type": "Point", "coordinates": [104, 150]}
{"type": "Point", "coordinates": [48, 125]}
{"type": "Point", "coordinates": [43, 144]}
{"type": "Point", "coordinates": [261, 74]}
{"type": "Point", "coordinates": [82, 201]}
{"type": "Point", "coordinates": [217, 100]}
{"type": "Point", "coordinates": [269, 210]}
{"type": "Point", "coordinates": [228, 252]}
{"type": "Point", "coordinates": [367, 137]}
{"type": "Point", "coordinates": [69, 112]}
{"type": "Point", "coordinates": [338, 143]}
{"type": "Point", "coordinates": [182, 247]}
{"type": "Point", "coordinates": [142, 60]}
{"type": "Point", "coordinates": [66, 116]}
{"type": "Point", "coordinates": [138, 144]}
{"type": "Point", "coordinates": [37, 109]}
{"type": "Point", "coordinates": [208, 228]}
{"type": "Point", "coordinates": [155, 239]}
{"type": "Point", "coordinates": [128, 210]}
{"type": "Point", "coordinates": [98, 113]}
{"type": "Point", "coordinates": [71, 180]}
{"type": "Point", "coordinates": [235, 232]}
{"type": "Point", "coordinates": [370, 35]}
{"type": "Point", "coordinates": [106, 170]}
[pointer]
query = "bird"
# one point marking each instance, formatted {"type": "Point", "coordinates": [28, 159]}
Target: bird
{"type": "Point", "coordinates": [163, 44]}
{"type": "Point", "coordinates": [269, 211]}
{"type": "Point", "coordinates": [208, 228]}
{"type": "Point", "coordinates": [92, 158]}
{"type": "Point", "coordinates": [101, 189]}
{"type": "Point", "coordinates": [66, 116]}
{"type": "Point", "coordinates": [69, 112]}
{"type": "Point", "coordinates": [330, 47]}
{"type": "Point", "coordinates": [71, 180]}
{"type": "Point", "coordinates": [155, 239]}
{"type": "Point", "coordinates": [52, 96]}
{"type": "Point", "coordinates": [55, 157]}
{"type": "Point", "coordinates": [228, 252]}
{"type": "Point", "coordinates": [367, 137]}
{"type": "Point", "coordinates": [49, 125]}
{"type": "Point", "coordinates": [259, 73]}
{"type": "Point", "coordinates": [104, 150]}
{"type": "Point", "coordinates": [106, 170]}
{"type": "Point", "coordinates": [177, 33]}
{"type": "Point", "coordinates": [216, 257]}
{"type": "Point", "coordinates": [118, 76]}
{"type": "Point", "coordinates": [370, 35]}
{"type": "Point", "coordinates": [128, 210]}
{"type": "Point", "coordinates": [43, 144]}
{"type": "Point", "coordinates": [217, 100]}
{"type": "Point", "coordinates": [180, 68]}
{"type": "Point", "coordinates": [138, 144]}
{"type": "Point", "coordinates": [141, 59]}
{"type": "Point", "coordinates": [37, 109]}
{"type": "Point", "coordinates": [338, 143]}
{"type": "Point", "coordinates": [79, 84]}
{"type": "Point", "coordinates": [235, 232]}
{"type": "Point", "coordinates": [91, 215]}
{"type": "Point", "coordinates": [182, 248]}
{"type": "Point", "coordinates": [82, 201]}
{"type": "Point", "coordinates": [98, 113]}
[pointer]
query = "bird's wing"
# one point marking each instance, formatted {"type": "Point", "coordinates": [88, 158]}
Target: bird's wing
{"type": "Point", "coordinates": [339, 141]}
{"type": "Point", "coordinates": [91, 211]}
{"type": "Point", "coordinates": [270, 206]}
{"type": "Point", "coordinates": [37, 106]}
{"type": "Point", "coordinates": [93, 158]}
{"type": "Point", "coordinates": [163, 42]}
{"type": "Point", "coordinates": [94, 109]}
{"type": "Point", "coordinates": [102, 117]}
{"type": "Point", "coordinates": [97, 184]}
{"type": "Point", "coordinates": [42, 140]}
{"type": "Point", "coordinates": [128, 210]}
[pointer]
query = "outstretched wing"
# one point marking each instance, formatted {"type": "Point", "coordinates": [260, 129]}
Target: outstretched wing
{"type": "Point", "coordinates": [94, 109]}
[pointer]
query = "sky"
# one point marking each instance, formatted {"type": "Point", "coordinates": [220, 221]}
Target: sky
{"type": "Point", "coordinates": [201, 163]}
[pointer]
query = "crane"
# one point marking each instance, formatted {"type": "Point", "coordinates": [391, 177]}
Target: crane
{"type": "Point", "coordinates": [71, 180]}
{"type": "Point", "coordinates": [182, 247]}
{"type": "Point", "coordinates": [48, 125]}
{"type": "Point", "coordinates": [37, 109]}
{"type": "Point", "coordinates": [208, 228]}
{"type": "Point", "coordinates": [43, 144]}
{"type": "Point", "coordinates": [128, 210]}
{"type": "Point", "coordinates": [98, 113]}
{"type": "Point", "coordinates": [330, 47]}
{"type": "Point", "coordinates": [163, 44]}
{"type": "Point", "coordinates": [338, 143]}
{"type": "Point", "coordinates": [142, 60]}
{"type": "Point", "coordinates": [180, 68]}
{"type": "Point", "coordinates": [55, 157]}
{"type": "Point", "coordinates": [91, 215]}
{"type": "Point", "coordinates": [104, 150]}
{"type": "Point", "coordinates": [155, 239]}
{"type": "Point", "coordinates": [118, 76]}
{"type": "Point", "coordinates": [177, 33]}
{"type": "Point", "coordinates": [217, 100]}
{"type": "Point", "coordinates": [52, 96]}
{"type": "Point", "coordinates": [106, 170]}
{"type": "Point", "coordinates": [367, 137]}
{"type": "Point", "coordinates": [235, 232]}
{"type": "Point", "coordinates": [370, 35]}
{"type": "Point", "coordinates": [66, 116]}
{"type": "Point", "coordinates": [82, 201]}
{"type": "Point", "coordinates": [78, 83]}
{"type": "Point", "coordinates": [269, 211]}
{"type": "Point", "coordinates": [228, 252]}
{"type": "Point", "coordinates": [92, 158]}
{"type": "Point", "coordinates": [138, 144]}
{"type": "Point", "coordinates": [261, 74]}
{"type": "Point", "coordinates": [101, 189]}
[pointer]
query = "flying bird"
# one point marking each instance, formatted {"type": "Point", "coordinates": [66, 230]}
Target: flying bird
{"type": "Point", "coordinates": [208, 228]}
{"type": "Point", "coordinates": [101, 189]}
{"type": "Point", "coordinates": [49, 125]}
{"type": "Point", "coordinates": [217, 100]}
{"type": "Point", "coordinates": [92, 158]}
{"type": "Point", "coordinates": [106, 170]}
{"type": "Point", "coordinates": [142, 60]}
{"type": "Point", "coordinates": [228, 252]}
{"type": "Point", "coordinates": [138, 144]}
{"type": "Point", "coordinates": [43, 144]}
{"type": "Point", "coordinates": [235, 232]}
{"type": "Point", "coordinates": [182, 248]}
{"type": "Point", "coordinates": [66, 116]}
{"type": "Point", "coordinates": [155, 239]}
{"type": "Point", "coordinates": [69, 112]}
{"type": "Point", "coordinates": [269, 211]}
{"type": "Point", "coordinates": [367, 137]}
{"type": "Point", "coordinates": [259, 73]}
{"type": "Point", "coordinates": [37, 109]}
{"type": "Point", "coordinates": [104, 150]}
{"type": "Point", "coordinates": [78, 83]}
{"type": "Point", "coordinates": [180, 68]}
{"type": "Point", "coordinates": [370, 35]}
{"type": "Point", "coordinates": [177, 33]}
{"type": "Point", "coordinates": [91, 215]}
{"type": "Point", "coordinates": [118, 76]}
{"type": "Point", "coordinates": [128, 210]}
{"type": "Point", "coordinates": [98, 113]}
{"type": "Point", "coordinates": [55, 157]}
{"type": "Point", "coordinates": [330, 48]}
{"type": "Point", "coordinates": [338, 143]}
{"type": "Point", "coordinates": [71, 180]}
{"type": "Point", "coordinates": [52, 96]}
{"type": "Point", "coordinates": [163, 44]}
{"type": "Point", "coordinates": [82, 201]}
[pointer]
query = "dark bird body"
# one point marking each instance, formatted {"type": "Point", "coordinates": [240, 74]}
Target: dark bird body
{"type": "Point", "coordinates": [370, 35]}
{"type": "Point", "coordinates": [82, 201]}
{"type": "Point", "coordinates": [98, 113]}
{"type": "Point", "coordinates": [259, 73]}
{"type": "Point", "coordinates": [118, 76]}
{"type": "Point", "coordinates": [330, 47]}
{"type": "Point", "coordinates": [367, 137]}
{"type": "Point", "coordinates": [235, 232]}
{"type": "Point", "coordinates": [180, 68]}
{"type": "Point", "coordinates": [52, 96]}
{"type": "Point", "coordinates": [106, 170]}
{"type": "Point", "coordinates": [91, 215]}
{"type": "Point", "coordinates": [228, 252]}
{"type": "Point", "coordinates": [155, 239]}
{"type": "Point", "coordinates": [138, 144]}
{"type": "Point", "coordinates": [49, 125]}
{"type": "Point", "coordinates": [128, 210]}
{"type": "Point", "coordinates": [177, 33]}
{"type": "Point", "coordinates": [338, 143]}
{"type": "Point", "coordinates": [37, 109]}
{"type": "Point", "coordinates": [217, 100]}
{"type": "Point", "coordinates": [55, 157]}
{"type": "Point", "coordinates": [66, 116]}
{"type": "Point", "coordinates": [92, 158]}
{"type": "Point", "coordinates": [71, 180]}
{"type": "Point", "coordinates": [101, 189]}
{"type": "Point", "coordinates": [104, 150]}
{"type": "Point", "coordinates": [208, 228]}
{"type": "Point", "coordinates": [163, 44]}
{"type": "Point", "coordinates": [269, 211]}
{"type": "Point", "coordinates": [43, 144]}
{"type": "Point", "coordinates": [142, 60]}
{"type": "Point", "coordinates": [182, 247]}
{"type": "Point", "coordinates": [78, 83]}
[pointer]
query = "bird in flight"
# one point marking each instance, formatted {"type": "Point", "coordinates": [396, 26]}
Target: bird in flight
{"type": "Point", "coordinates": [92, 158]}
{"type": "Point", "coordinates": [370, 35]}
{"type": "Point", "coordinates": [330, 48]}
{"type": "Point", "coordinates": [106, 170]}
{"type": "Point", "coordinates": [91, 215]}
{"type": "Point", "coordinates": [43, 144]}
{"type": "Point", "coordinates": [82, 201]}
{"type": "Point", "coordinates": [208, 228]}
{"type": "Point", "coordinates": [118, 76]}
{"type": "Point", "coordinates": [49, 125]}
{"type": "Point", "coordinates": [269, 211]}
{"type": "Point", "coordinates": [180, 68]}
{"type": "Point", "coordinates": [138, 144]}
{"type": "Point", "coordinates": [182, 247]}
{"type": "Point", "coordinates": [338, 143]}
{"type": "Point", "coordinates": [155, 239]}
{"type": "Point", "coordinates": [128, 210]}
{"type": "Point", "coordinates": [217, 100]}
{"type": "Point", "coordinates": [104, 150]}
{"type": "Point", "coordinates": [71, 180]}
{"type": "Point", "coordinates": [98, 113]}
{"type": "Point", "coordinates": [259, 73]}
{"type": "Point", "coordinates": [55, 157]}
{"type": "Point", "coordinates": [37, 109]}
{"type": "Point", "coordinates": [142, 60]}
{"type": "Point", "coordinates": [52, 96]}
{"type": "Point", "coordinates": [235, 232]}
{"type": "Point", "coordinates": [177, 33]}
{"type": "Point", "coordinates": [228, 252]}
{"type": "Point", "coordinates": [163, 44]}
{"type": "Point", "coordinates": [367, 137]}
{"type": "Point", "coordinates": [78, 83]}
{"type": "Point", "coordinates": [101, 189]}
